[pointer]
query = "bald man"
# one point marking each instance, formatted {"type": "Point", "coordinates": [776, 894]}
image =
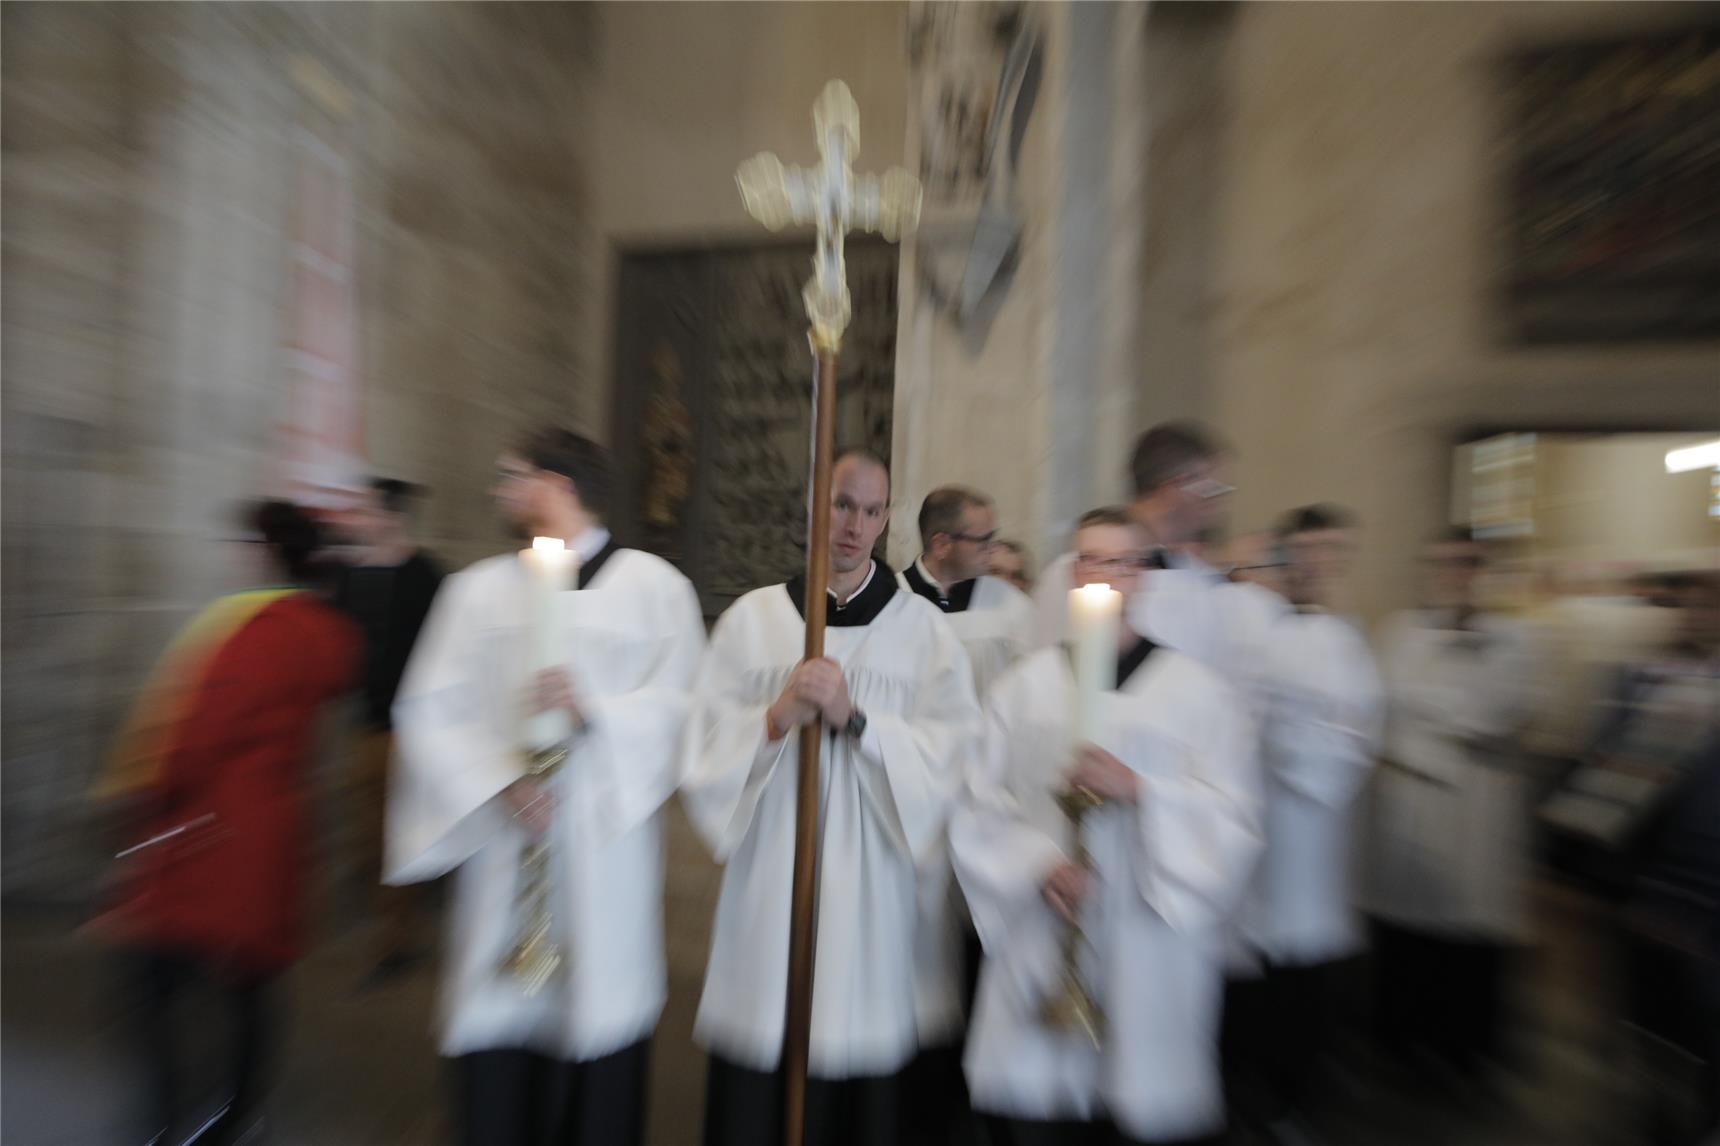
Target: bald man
{"type": "Point", "coordinates": [895, 701]}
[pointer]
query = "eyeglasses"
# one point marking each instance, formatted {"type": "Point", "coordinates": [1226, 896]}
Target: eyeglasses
{"type": "Point", "coordinates": [977, 538]}
{"type": "Point", "coordinates": [1208, 488]}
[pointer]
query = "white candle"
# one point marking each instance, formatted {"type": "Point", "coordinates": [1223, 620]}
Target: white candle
{"type": "Point", "coordinates": [1094, 613]}
{"type": "Point", "coordinates": [552, 570]}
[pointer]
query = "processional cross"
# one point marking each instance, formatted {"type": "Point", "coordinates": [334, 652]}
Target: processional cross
{"type": "Point", "coordinates": [836, 200]}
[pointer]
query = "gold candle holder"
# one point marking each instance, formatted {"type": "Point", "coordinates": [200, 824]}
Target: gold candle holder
{"type": "Point", "coordinates": [534, 957]}
{"type": "Point", "coordinates": [1071, 1007]}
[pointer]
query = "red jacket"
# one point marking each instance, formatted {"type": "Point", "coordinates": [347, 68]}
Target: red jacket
{"type": "Point", "coordinates": [229, 882]}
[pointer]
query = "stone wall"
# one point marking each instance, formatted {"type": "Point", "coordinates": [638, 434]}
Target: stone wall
{"type": "Point", "coordinates": [1301, 204]}
{"type": "Point", "coordinates": [1187, 117]}
{"type": "Point", "coordinates": [971, 401]}
{"type": "Point", "coordinates": [1356, 267]}
{"type": "Point", "coordinates": [148, 180]}
{"type": "Point", "coordinates": [1035, 404]}
{"type": "Point", "coordinates": [480, 232]}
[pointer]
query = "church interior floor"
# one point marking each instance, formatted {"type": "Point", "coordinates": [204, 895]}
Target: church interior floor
{"type": "Point", "coordinates": [359, 1068]}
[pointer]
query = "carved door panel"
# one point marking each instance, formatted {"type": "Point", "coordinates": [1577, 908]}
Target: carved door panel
{"type": "Point", "coordinates": [713, 405]}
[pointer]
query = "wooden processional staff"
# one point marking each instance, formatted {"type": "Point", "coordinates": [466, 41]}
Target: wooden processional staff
{"type": "Point", "coordinates": [835, 200]}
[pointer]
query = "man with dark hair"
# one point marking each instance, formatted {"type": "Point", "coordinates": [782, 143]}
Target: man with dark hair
{"type": "Point", "coordinates": [1168, 851]}
{"type": "Point", "coordinates": [1174, 468]}
{"type": "Point", "coordinates": [1447, 887]}
{"type": "Point", "coordinates": [994, 623]}
{"type": "Point", "coordinates": [387, 590]}
{"type": "Point", "coordinates": [564, 1061]}
{"type": "Point", "coordinates": [1177, 498]}
{"type": "Point", "coordinates": [1321, 717]}
{"type": "Point", "coordinates": [958, 528]}
{"type": "Point", "coordinates": [1193, 609]}
{"type": "Point", "coordinates": [571, 456]}
{"type": "Point", "coordinates": [944, 515]}
{"type": "Point", "coordinates": [895, 699]}
{"type": "Point", "coordinates": [1317, 543]}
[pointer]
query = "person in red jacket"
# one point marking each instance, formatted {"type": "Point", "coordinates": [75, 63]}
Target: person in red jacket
{"type": "Point", "coordinates": [213, 768]}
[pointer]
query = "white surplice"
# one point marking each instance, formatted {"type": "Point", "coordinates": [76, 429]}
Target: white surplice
{"type": "Point", "coordinates": [1169, 871]}
{"type": "Point", "coordinates": [631, 644]}
{"type": "Point", "coordinates": [884, 806]}
{"type": "Point", "coordinates": [994, 622]}
{"type": "Point", "coordinates": [1323, 718]}
{"type": "Point", "coordinates": [996, 626]}
{"type": "Point", "coordinates": [1451, 834]}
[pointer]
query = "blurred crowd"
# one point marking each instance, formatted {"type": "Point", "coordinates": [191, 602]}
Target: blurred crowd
{"type": "Point", "coordinates": [1415, 784]}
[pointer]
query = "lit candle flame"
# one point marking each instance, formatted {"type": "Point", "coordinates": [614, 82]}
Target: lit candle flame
{"type": "Point", "coordinates": [548, 544]}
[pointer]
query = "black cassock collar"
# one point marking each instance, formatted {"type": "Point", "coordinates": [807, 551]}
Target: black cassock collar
{"type": "Point", "coordinates": [588, 570]}
{"type": "Point", "coordinates": [1132, 659]}
{"type": "Point", "coordinates": [862, 608]}
{"type": "Point", "coordinates": [961, 593]}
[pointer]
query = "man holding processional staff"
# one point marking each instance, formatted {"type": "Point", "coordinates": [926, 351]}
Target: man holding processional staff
{"type": "Point", "coordinates": [538, 724]}
{"type": "Point", "coordinates": [1099, 1002]}
{"type": "Point", "coordinates": [892, 706]}
{"type": "Point", "coordinates": [822, 776]}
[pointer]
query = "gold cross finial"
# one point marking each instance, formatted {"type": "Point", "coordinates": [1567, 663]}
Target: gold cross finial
{"type": "Point", "coordinates": [834, 198]}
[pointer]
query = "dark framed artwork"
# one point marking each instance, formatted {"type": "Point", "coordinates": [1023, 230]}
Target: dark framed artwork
{"type": "Point", "coordinates": [1613, 213]}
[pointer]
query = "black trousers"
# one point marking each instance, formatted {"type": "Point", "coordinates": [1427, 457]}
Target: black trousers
{"type": "Point", "coordinates": [1673, 995]}
{"type": "Point", "coordinates": [743, 1107]}
{"type": "Point", "coordinates": [973, 960]}
{"type": "Point", "coordinates": [1446, 994]}
{"type": "Point", "coordinates": [521, 1098]}
{"type": "Point", "coordinates": [1020, 1132]}
{"type": "Point", "coordinates": [935, 1108]}
{"type": "Point", "coordinates": [1277, 1030]}
{"type": "Point", "coordinates": [154, 982]}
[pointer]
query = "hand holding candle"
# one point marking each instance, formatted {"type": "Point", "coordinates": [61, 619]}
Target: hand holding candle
{"type": "Point", "coordinates": [553, 689]}
{"type": "Point", "coordinates": [1099, 772]}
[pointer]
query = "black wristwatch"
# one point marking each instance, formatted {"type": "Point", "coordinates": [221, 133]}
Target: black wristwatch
{"type": "Point", "coordinates": [856, 726]}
